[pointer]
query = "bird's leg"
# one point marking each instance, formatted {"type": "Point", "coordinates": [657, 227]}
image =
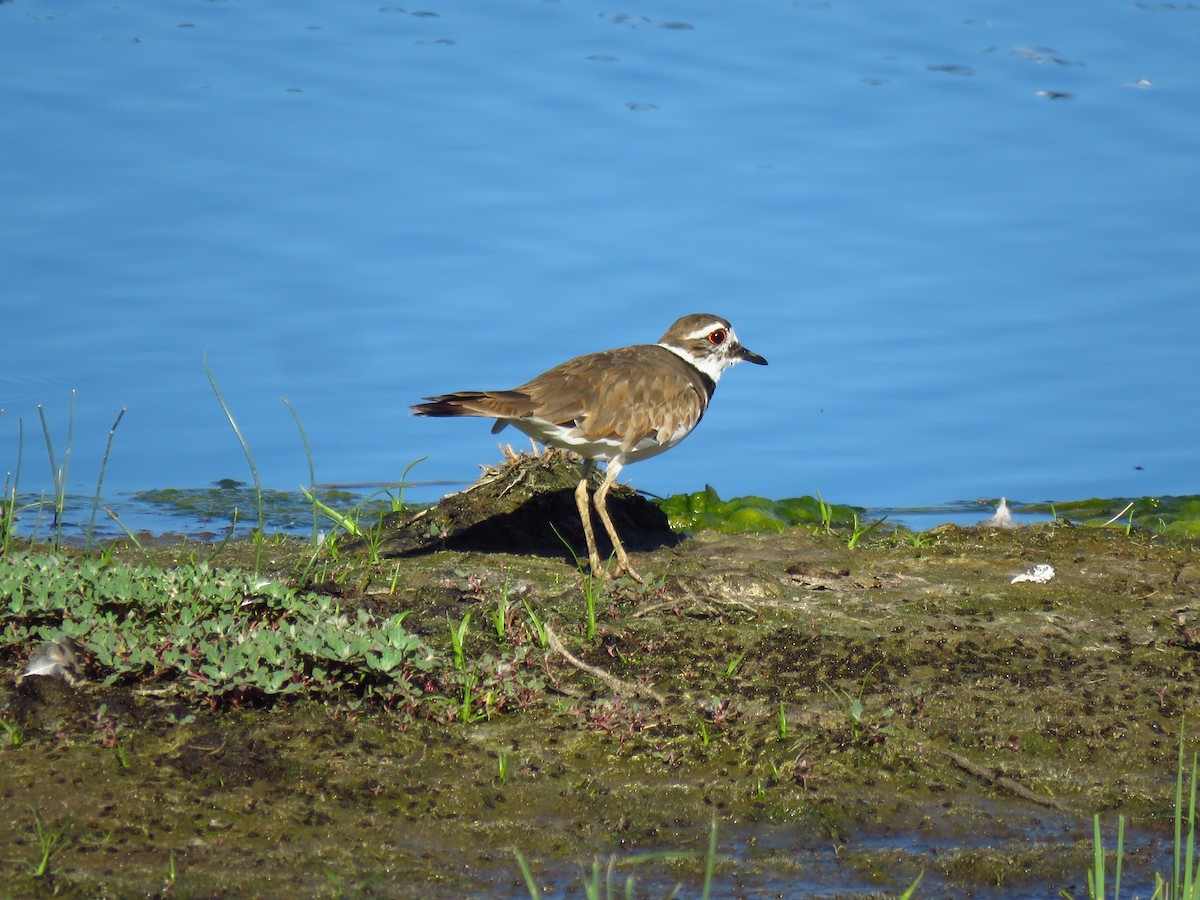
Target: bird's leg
{"type": "Point", "coordinates": [601, 503]}
{"type": "Point", "coordinates": [585, 516]}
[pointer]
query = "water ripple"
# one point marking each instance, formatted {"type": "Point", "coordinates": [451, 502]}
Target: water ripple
{"type": "Point", "coordinates": [20, 386]}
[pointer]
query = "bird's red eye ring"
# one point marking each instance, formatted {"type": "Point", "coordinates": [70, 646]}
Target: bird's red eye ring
{"type": "Point", "coordinates": [718, 337]}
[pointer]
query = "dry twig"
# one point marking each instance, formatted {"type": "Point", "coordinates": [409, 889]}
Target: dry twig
{"type": "Point", "coordinates": [618, 686]}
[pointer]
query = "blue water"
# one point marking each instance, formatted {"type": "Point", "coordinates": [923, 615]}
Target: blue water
{"type": "Point", "coordinates": [965, 235]}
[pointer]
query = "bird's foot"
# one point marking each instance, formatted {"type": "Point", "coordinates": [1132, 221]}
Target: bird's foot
{"type": "Point", "coordinates": [620, 566]}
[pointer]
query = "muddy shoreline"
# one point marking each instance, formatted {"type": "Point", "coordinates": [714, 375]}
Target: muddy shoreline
{"type": "Point", "coordinates": [848, 718]}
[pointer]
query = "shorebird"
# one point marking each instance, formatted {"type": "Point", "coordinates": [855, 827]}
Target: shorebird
{"type": "Point", "coordinates": [618, 406]}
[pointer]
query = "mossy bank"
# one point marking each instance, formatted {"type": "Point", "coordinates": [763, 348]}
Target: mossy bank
{"type": "Point", "coordinates": [849, 718]}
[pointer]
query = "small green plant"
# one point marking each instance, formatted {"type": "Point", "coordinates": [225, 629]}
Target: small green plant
{"type": "Point", "coordinates": [858, 530]}
{"type": "Point", "coordinates": [50, 843]}
{"type": "Point", "coordinates": [501, 767]}
{"type": "Point", "coordinates": [591, 584]}
{"type": "Point", "coordinates": [782, 725]}
{"type": "Point", "coordinates": [458, 636]}
{"type": "Point", "coordinates": [373, 537]}
{"type": "Point", "coordinates": [864, 727]}
{"type": "Point", "coordinates": [172, 875]}
{"type": "Point", "coordinates": [599, 882]}
{"type": "Point", "coordinates": [351, 522]}
{"type": "Point", "coordinates": [1185, 881]}
{"type": "Point", "coordinates": [58, 471]}
{"type": "Point", "coordinates": [14, 732]}
{"type": "Point", "coordinates": [826, 513]}
{"type": "Point", "coordinates": [539, 626]}
{"type": "Point", "coordinates": [500, 614]}
{"type": "Point", "coordinates": [337, 883]}
{"type": "Point", "coordinates": [1185, 886]}
{"type": "Point", "coordinates": [732, 665]}
{"type": "Point", "coordinates": [1097, 883]}
{"type": "Point", "coordinates": [600, 887]}
{"type": "Point", "coordinates": [466, 709]}
{"type": "Point", "coordinates": [219, 634]}
{"type": "Point", "coordinates": [916, 539]}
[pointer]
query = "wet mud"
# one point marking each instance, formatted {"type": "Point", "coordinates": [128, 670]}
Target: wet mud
{"type": "Point", "coordinates": [848, 719]}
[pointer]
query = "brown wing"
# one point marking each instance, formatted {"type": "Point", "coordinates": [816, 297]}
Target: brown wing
{"type": "Point", "coordinates": [627, 394]}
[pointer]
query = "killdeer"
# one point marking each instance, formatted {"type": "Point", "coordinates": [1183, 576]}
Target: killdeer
{"type": "Point", "coordinates": [619, 406]}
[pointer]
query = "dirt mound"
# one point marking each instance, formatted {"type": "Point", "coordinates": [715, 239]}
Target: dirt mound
{"type": "Point", "coordinates": [525, 505]}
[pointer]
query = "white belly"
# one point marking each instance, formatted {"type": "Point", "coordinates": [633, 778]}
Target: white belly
{"type": "Point", "coordinates": [600, 449]}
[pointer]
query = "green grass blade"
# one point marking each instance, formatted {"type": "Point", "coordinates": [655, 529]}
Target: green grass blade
{"type": "Point", "coordinates": [347, 524]}
{"type": "Point", "coordinates": [225, 540]}
{"type": "Point", "coordinates": [55, 472]}
{"type": "Point", "coordinates": [1178, 847]}
{"type": "Point", "coordinates": [530, 882]}
{"type": "Point", "coordinates": [129, 534]}
{"type": "Point", "coordinates": [100, 478]}
{"type": "Point", "coordinates": [59, 472]}
{"type": "Point", "coordinates": [907, 895]}
{"type": "Point", "coordinates": [710, 861]}
{"type": "Point", "coordinates": [258, 491]}
{"type": "Point", "coordinates": [1120, 856]}
{"type": "Point", "coordinates": [399, 504]}
{"type": "Point", "coordinates": [1191, 888]}
{"type": "Point", "coordinates": [66, 462]}
{"type": "Point", "coordinates": [1097, 860]}
{"type": "Point", "coordinates": [49, 443]}
{"type": "Point", "coordinates": [10, 493]}
{"type": "Point", "coordinates": [312, 474]}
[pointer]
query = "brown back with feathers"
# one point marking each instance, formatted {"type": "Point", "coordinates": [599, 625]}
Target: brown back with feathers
{"type": "Point", "coordinates": [633, 393]}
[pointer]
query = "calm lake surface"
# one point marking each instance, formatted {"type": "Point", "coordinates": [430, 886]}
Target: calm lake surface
{"type": "Point", "coordinates": [965, 236]}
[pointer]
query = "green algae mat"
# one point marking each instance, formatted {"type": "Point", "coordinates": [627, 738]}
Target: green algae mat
{"type": "Point", "coordinates": [406, 725]}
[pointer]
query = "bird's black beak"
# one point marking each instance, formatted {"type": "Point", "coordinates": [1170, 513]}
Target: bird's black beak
{"type": "Point", "coordinates": [743, 353]}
